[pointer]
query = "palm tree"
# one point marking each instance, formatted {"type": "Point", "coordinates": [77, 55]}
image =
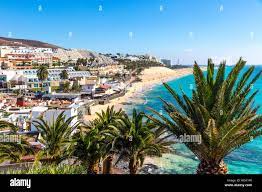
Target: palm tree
{"type": "Point", "coordinates": [76, 87]}
{"type": "Point", "coordinates": [11, 150]}
{"type": "Point", "coordinates": [81, 61]}
{"type": "Point", "coordinates": [94, 145]}
{"type": "Point", "coordinates": [66, 87]}
{"type": "Point", "coordinates": [139, 138]}
{"type": "Point", "coordinates": [91, 60]}
{"type": "Point", "coordinates": [64, 75]}
{"type": "Point", "coordinates": [108, 117]}
{"type": "Point", "coordinates": [56, 136]}
{"type": "Point", "coordinates": [221, 111]}
{"type": "Point", "coordinates": [7, 125]}
{"type": "Point", "coordinates": [42, 74]}
{"type": "Point", "coordinates": [14, 151]}
{"type": "Point", "coordinates": [4, 65]}
{"type": "Point", "coordinates": [90, 148]}
{"type": "Point", "coordinates": [109, 120]}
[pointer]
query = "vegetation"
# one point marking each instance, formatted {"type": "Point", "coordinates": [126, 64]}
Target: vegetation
{"type": "Point", "coordinates": [50, 169]}
{"type": "Point", "coordinates": [221, 111]}
{"type": "Point", "coordinates": [91, 60]}
{"type": "Point", "coordinates": [76, 87]}
{"type": "Point", "coordinates": [94, 142]}
{"type": "Point", "coordinates": [36, 89]}
{"type": "Point", "coordinates": [4, 66]}
{"type": "Point", "coordinates": [64, 75]}
{"type": "Point", "coordinates": [56, 137]}
{"type": "Point", "coordinates": [42, 74]}
{"type": "Point", "coordinates": [85, 61]}
{"type": "Point", "coordinates": [90, 149]}
{"type": "Point", "coordinates": [15, 146]}
{"type": "Point", "coordinates": [4, 125]}
{"type": "Point", "coordinates": [81, 61]}
{"type": "Point", "coordinates": [65, 86]}
{"type": "Point", "coordinates": [139, 137]}
{"type": "Point", "coordinates": [13, 151]}
{"type": "Point", "coordinates": [55, 88]}
{"type": "Point", "coordinates": [57, 64]}
{"type": "Point", "coordinates": [111, 134]}
{"type": "Point", "coordinates": [111, 121]}
{"type": "Point", "coordinates": [138, 65]}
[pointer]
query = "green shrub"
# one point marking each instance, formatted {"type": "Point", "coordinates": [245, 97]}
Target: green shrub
{"type": "Point", "coordinates": [50, 169]}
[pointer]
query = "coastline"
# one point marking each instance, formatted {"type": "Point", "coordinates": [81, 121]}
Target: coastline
{"type": "Point", "coordinates": [149, 78]}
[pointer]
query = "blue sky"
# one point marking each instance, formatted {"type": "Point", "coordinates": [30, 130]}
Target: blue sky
{"type": "Point", "coordinates": [185, 29]}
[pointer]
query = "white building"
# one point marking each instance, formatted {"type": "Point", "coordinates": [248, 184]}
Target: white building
{"type": "Point", "coordinates": [50, 115]}
{"type": "Point", "coordinates": [19, 55]}
{"type": "Point", "coordinates": [30, 76]}
{"type": "Point", "coordinates": [23, 50]}
{"type": "Point", "coordinates": [18, 117]}
{"type": "Point", "coordinates": [7, 75]}
{"type": "Point", "coordinates": [37, 112]}
{"type": "Point", "coordinates": [54, 74]}
{"type": "Point", "coordinates": [167, 62]}
{"type": "Point", "coordinates": [89, 88]}
{"type": "Point", "coordinates": [132, 58]}
{"type": "Point", "coordinates": [89, 84]}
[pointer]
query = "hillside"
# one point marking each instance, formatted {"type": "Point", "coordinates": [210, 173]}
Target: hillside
{"type": "Point", "coordinates": [61, 53]}
{"type": "Point", "coordinates": [4, 41]}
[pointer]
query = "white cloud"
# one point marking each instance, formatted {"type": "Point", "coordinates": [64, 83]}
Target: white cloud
{"type": "Point", "coordinates": [161, 8]}
{"type": "Point", "coordinates": [9, 34]}
{"type": "Point", "coordinates": [221, 8]}
{"type": "Point", "coordinates": [191, 35]}
{"type": "Point", "coordinates": [252, 35]}
{"type": "Point", "coordinates": [100, 8]}
{"type": "Point", "coordinates": [70, 34]}
{"type": "Point", "coordinates": [188, 50]}
{"type": "Point", "coordinates": [131, 34]}
{"type": "Point", "coordinates": [40, 8]}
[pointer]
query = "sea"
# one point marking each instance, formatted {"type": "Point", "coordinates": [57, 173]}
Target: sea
{"type": "Point", "coordinates": [245, 160]}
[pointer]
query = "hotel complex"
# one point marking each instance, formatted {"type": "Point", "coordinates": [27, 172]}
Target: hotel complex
{"type": "Point", "coordinates": [17, 57]}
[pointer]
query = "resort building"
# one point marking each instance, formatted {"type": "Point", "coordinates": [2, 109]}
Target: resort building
{"type": "Point", "coordinates": [23, 57]}
{"type": "Point", "coordinates": [166, 62]}
{"type": "Point", "coordinates": [50, 113]}
{"type": "Point", "coordinates": [29, 77]}
{"type": "Point", "coordinates": [89, 84]}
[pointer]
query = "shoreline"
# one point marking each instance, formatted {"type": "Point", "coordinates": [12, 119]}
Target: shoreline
{"type": "Point", "coordinates": [150, 77]}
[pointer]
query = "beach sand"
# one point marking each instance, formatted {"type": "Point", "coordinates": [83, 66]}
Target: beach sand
{"type": "Point", "coordinates": [150, 77]}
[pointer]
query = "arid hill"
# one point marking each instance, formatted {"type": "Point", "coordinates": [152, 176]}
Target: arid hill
{"type": "Point", "coordinates": [4, 41]}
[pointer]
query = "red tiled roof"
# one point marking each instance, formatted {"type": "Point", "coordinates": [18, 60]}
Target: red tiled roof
{"type": "Point", "coordinates": [104, 86]}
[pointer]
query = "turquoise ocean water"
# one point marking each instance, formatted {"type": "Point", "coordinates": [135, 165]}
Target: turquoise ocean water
{"type": "Point", "coordinates": [245, 160]}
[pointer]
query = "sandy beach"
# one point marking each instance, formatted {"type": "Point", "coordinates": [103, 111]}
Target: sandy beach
{"type": "Point", "coordinates": [150, 77]}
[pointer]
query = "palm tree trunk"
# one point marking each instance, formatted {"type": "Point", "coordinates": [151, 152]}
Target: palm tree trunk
{"type": "Point", "coordinates": [211, 167]}
{"type": "Point", "coordinates": [133, 167]}
{"type": "Point", "coordinates": [108, 165]}
{"type": "Point", "coordinates": [41, 87]}
{"type": "Point", "coordinates": [93, 168]}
